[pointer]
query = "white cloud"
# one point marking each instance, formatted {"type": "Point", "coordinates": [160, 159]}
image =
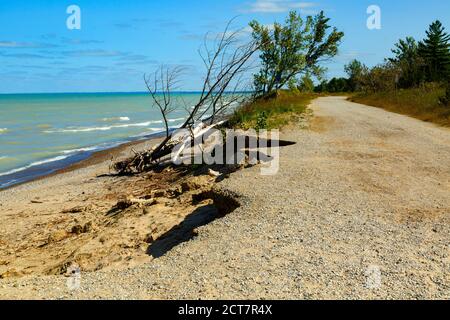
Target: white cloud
{"type": "Point", "coordinates": [278, 6]}
{"type": "Point", "coordinates": [93, 53]}
{"type": "Point", "coordinates": [14, 44]}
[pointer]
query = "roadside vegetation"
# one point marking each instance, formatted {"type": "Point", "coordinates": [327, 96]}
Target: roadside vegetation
{"type": "Point", "coordinates": [415, 81]}
{"type": "Point", "coordinates": [423, 103]}
{"type": "Point", "coordinates": [290, 55]}
{"type": "Point", "coordinates": [272, 112]}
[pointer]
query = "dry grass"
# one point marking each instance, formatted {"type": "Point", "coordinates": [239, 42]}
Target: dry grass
{"type": "Point", "coordinates": [272, 113]}
{"type": "Point", "coordinates": [421, 103]}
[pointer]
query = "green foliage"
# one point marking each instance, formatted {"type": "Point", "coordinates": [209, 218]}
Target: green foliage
{"type": "Point", "coordinates": [271, 113]}
{"type": "Point", "coordinates": [409, 62]}
{"type": "Point", "coordinates": [296, 47]}
{"type": "Point", "coordinates": [355, 71]}
{"type": "Point", "coordinates": [423, 102]}
{"type": "Point", "coordinates": [415, 81]}
{"type": "Point", "coordinates": [435, 50]}
{"type": "Point", "coordinates": [413, 64]}
{"type": "Point", "coordinates": [261, 122]}
{"type": "Point", "coordinates": [306, 84]}
{"type": "Point", "coordinates": [383, 77]}
{"type": "Point", "coordinates": [335, 85]}
{"type": "Point", "coordinates": [293, 86]}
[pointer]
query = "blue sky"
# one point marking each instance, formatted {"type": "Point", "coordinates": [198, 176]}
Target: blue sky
{"type": "Point", "coordinates": [120, 40]}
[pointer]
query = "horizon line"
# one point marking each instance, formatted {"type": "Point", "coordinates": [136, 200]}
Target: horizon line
{"type": "Point", "coordinates": [108, 92]}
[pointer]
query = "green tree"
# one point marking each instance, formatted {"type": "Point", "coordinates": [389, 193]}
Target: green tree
{"type": "Point", "coordinates": [335, 85]}
{"type": "Point", "coordinates": [338, 85]}
{"type": "Point", "coordinates": [382, 77]}
{"type": "Point", "coordinates": [306, 84]}
{"type": "Point", "coordinates": [293, 86]}
{"type": "Point", "coordinates": [322, 87]}
{"type": "Point", "coordinates": [408, 60]}
{"type": "Point", "coordinates": [298, 46]}
{"type": "Point", "coordinates": [355, 71]}
{"type": "Point", "coordinates": [435, 50]}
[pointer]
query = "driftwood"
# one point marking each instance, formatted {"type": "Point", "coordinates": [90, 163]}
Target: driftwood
{"type": "Point", "coordinates": [144, 161]}
{"type": "Point", "coordinates": [227, 63]}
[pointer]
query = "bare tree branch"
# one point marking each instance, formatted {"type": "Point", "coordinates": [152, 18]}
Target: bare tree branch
{"type": "Point", "coordinates": [226, 61]}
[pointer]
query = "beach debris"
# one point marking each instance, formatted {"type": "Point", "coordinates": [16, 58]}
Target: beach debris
{"type": "Point", "coordinates": [36, 201]}
{"type": "Point", "coordinates": [142, 202]}
{"type": "Point", "coordinates": [158, 193]}
{"type": "Point", "coordinates": [175, 191]}
{"type": "Point", "coordinates": [213, 173]}
{"type": "Point", "coordinates": [57, 236]}
{"type": "Point", "coordinates": [120, 206]}
{"type": "Point", "coordinates": [76, 209]}
{"type": "Point", "coordinates": [126, 203]}
{"type": "Point", "coordinates": [225, 64]}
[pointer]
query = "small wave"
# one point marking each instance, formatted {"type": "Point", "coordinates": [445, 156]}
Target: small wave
{"type": "Point", "coordinates": [203, 106]}
{"type": "Point", "coordinates": [206, 117]}
{"type": "Point", "coordinates": [7, 184]}
{"type": "Point", "coordinates": [34, 164]}
{"type": "Point", "coordinates": [176, 119]}
{"type": "Point", "coordinates": [80, 150]}
{"type": "Point", "coordinates": [106, 128]}
{"type": "Point", "coordinates": [3, 130]}
{"type": "Point", "coordinates": [116, 119]}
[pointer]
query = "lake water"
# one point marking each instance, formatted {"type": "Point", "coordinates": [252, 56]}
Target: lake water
{"type": "Point", "coordinates": [40, 133]}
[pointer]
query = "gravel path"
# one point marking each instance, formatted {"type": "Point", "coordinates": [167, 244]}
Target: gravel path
{"type": "Point", "coordinates": [359, 209]}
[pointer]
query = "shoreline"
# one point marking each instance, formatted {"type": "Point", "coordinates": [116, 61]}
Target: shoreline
{"type": "Point", "coordinates": [78, 161]}
{"type": "Point", "coordinates": [75, 216]}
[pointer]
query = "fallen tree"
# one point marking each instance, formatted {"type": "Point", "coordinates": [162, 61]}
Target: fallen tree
{"type": "Point", "coordinates": [227, 62]}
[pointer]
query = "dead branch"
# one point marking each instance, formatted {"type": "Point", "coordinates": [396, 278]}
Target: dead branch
{"type": "Point", "coordinates": [226, 61]}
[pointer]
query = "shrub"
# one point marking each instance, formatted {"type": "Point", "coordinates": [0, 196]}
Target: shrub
{"type": "Point", "coordinates": [424, 102]}
{"type": "Point", "coordinates": [445, 100]}
{"type": "Point", "coordinates": [273, 112]}
{"type": "Point", "coordinates": [261, 122]}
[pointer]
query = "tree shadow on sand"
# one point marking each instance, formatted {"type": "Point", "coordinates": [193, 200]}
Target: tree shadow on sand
{"type": "Point", "coordinates": [223, 204]}
{"type": "Point", "coordinates": [186, 230]}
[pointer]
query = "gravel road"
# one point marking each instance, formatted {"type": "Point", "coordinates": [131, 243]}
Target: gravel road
{"type": "Point", "coordinates": [359, 209]}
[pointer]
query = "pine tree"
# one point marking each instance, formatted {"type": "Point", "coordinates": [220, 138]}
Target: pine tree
{"type": "Point", "coordinates": [435, 50]}
{"type": "Point", "coordinates": [408, 60]}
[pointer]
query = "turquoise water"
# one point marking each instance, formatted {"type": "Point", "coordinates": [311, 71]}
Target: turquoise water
{"type": "Point", "coordinates": [37, 130]}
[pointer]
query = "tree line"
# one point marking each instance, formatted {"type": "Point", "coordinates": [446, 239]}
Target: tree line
{"type": "Point", "coordinates": [413, 64]}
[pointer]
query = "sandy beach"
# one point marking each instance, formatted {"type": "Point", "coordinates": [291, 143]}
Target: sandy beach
{"type": "Point", "coordinates": [361, 190]}
{"type": "Point", "coordinates": [69, 218]}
